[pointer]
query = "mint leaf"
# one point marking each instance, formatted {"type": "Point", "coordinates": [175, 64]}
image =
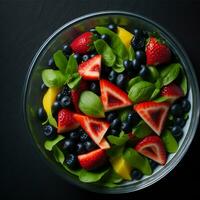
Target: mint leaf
{"type": "Point", "coordinates": [72, 67]}
{"type": "Point", "coordinates": [105, 50]}
{"type": "Point", "coordinates": [53, 78]}
{"type": "Point", "coordinates": [141, 91]}
{"type": "Point", "coordinates": [49, 144]}
{"type": "Point", "coordinates": [137, 161]}
{"type": "Point", "coordinates": [132, 82]}
{"type": "Point", "coordinates": [58, 155]}
{"type": "Point", "coordinates": [118, 140]}
{"type": "Point", "coordinates": [74, 81]}
{"type": "Point", "coordinates": [141, 130]}
{"type": "Point", "coordinates": [60, 60]}
{"type": "Point", "coordinates": [116, 43]}
{"type": "Point", "coordinates": [131, 53]}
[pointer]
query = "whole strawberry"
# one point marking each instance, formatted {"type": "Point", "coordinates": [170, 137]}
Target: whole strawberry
{"type": "Point", "coordinates": [157, 52]}
{"type": "Point", "coordinates": [83, 43]}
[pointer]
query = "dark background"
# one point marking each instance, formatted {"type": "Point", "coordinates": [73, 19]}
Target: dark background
{"type": "Point", "coordinates": [24, 25]}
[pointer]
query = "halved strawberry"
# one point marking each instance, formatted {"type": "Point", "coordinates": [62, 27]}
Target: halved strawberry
{"type": "Point", "coordinates": [82, 43]}
{"type": "Point", "coordinates": [93, 159]}
{"type": "Point", "coordinates": [172, 92]}
{"type": "Point", "coordinates": [153, 148]}
{"type": "Point", "coordinates": [113, 97]}
{"type": "Point", "coordinates": [157, 52]}
{"type": "Point", "coordinates": [90, 69]}
{"type": "Point", "coordinates": [66, 121]}
{"type": "Point", "coordinates": [95, 128]}
{"type": "Point", "coordinates": [75, 94]}
{"type": "Point", "coordinates": [153, 113]}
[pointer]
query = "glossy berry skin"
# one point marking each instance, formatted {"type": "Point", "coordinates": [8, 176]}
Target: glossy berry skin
{"type": "Point", "coordinates": [121, 80]}
{"type": "Point", "coordinates": [144, 72]}
{"type": "Point", "coordinates": [89, 146]}
{"type": "Point", "coordinates": [52, 64]}
{"type": "Point", "coordinates": [136, 174]}
{"type": "Point", "coordinates": [84, 137]}
{"type": "Point", "coordinates": [185, 104]}
{"type": "Point", "coordinates": [75, 135]}
{"type": "Point", "coordinates": [179, 121]}
{"type": "Point", "coordinates": [55, 107]}
{"type": "Point", "coordinates": [137, 32]}
{"type": "Point", "coordinates": [112, 76]}
{"type": "Point", "coordinates": [85, 57]}
{"type": "Point", "coordinates": [177, 110]}
{"type": "Point", "coordinates": [80, 149]}
{"type": "Point", "coordinates": [78, 57]}
{"type": "Point", "coordinates": [93, 30]}
{"type": "Point", "coordinates": [67, 49]}
{"type": "Point", "coordinates": [112, 27]}
{"type": "Point", "coordinates": [59, 96]}
{"type": "Point", "coordinates": [69, 145]}
{"type": "Point", "coordinates": [111, 116]}
{"type": "Point", "coordinates": [71, 161]}
{"type": "Point", "coordinates": [135, 65]}
{"type": "Point", "coordinates": [126, 127]}
{"type": "Point", "coordinates": [116, 124]}
{"type": "Point", "coordinates": [127, 64]}
{"type": "Point", "coordinates": [140, 56]}
{"type": "Point", "coordinates": [94, 87]}
{"type": "Point", "coordinates": [49, 131]}
{"type": "Point", "coordinates": [138, 42]}
{"type": "Point", "coordinates": [106, 38]}
{"type": "Point", "coordinates": [65, 101]}
{"type": "Point", "coordinates": [153, 164]}
{"type": "Point", "coordinates": [114, 132]}
{"type": "Point", "coordinates": [42, 116]}
{"type": "Point", "coordinates": [177, 131]}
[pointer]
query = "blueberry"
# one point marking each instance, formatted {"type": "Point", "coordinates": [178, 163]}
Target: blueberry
{"type": "Point", "coordinates": [65, 101]}
{"type": "Point", "coordinates": [106, 38]}
{"type": "Point", "coordinates": [138, 42]}
{"type": "Point", "coordinates": [42, 116]}
{"type": "Point", "coordinates": [69, 145]}
{"type": "Point", "coordinates": [111, 116]}
{"type": "Point", "coordinates": [43, 87]}
{"type": "Point", "coordinates": [153, 164]}
{"type": "Point", "coordinates": [93, 30]}
{"type": "Point", "coordinates": [55, 107]}
{"type": "Point", "coordinates": [59, 96]}
{"type": "Point", "coordinates": [65, 91]}
{"type": "Point", "coordinates": [136, 174]}
{"type": "Point", "coordinates": [114, 132]}
{"type": "Point", "coordinates": [116, 124]}
{"type": "Point", "coordinates": [127, 64]}
{"type": "Point", "coordinates": [177, 110]}
{"type": "Point", "coordinates": [140, 56]}
{"type": "Point", "coordinates": [92, 55]}
{"type": "Point", "coordinates": [137, 32]}
{"type": "Point", "coordinates": [94, 87]}
{"type": "Point", "coordinates": [51, 63]}
{"type": "Point", "coordinates": [144, 72]}
{"type": "Point", "coordinates": [112, 27]}
{"type": "Point", "coordinates": [112, 76]}
{"type": "Point", "coordinates": [126, 127]}
{"type": "Point", "coordinates": [67, 49]}
{"type": "Point", "coordinates": [80, 149]}
{"type": "Point", "coordinates": [105, 71]}
{"type": "Point", "coordinates": [135, 65]}
{"type": "Point", "coordinates": [75, 135]}
{"type": "Point", "coordinates": [77, 57]}
{"type": "Point", "coordinates": [133, 118]}
{"type": "Point", "coordinates": [71, 161]}
{"type": "Point", "coordinates": [179, 121]}
{"type": "Point", "coordinates": [89, 145]}
{"type": "Point", "coordinates": [185, 104]}
{"type": "Point", "coordinates": [84, 137]}
{"type": "Point", "coordinates": [85, 57]}
{"type": "Point", "coordinates": [49, 131]}
{"type": "Point", "coordinates": [121, 80]}
{"type": "Point", "coordinates": [177, 131]}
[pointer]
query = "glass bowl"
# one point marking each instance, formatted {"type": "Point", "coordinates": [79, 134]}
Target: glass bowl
{"type": "Point", "coordinates": [33, 96]}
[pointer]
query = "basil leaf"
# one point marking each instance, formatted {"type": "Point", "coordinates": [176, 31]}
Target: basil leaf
{"type": "Point", "coordinates": [53, 78]}
{"type": "Point", "coordinates": [154, 74]}
{"type": "Point", "coordinates": [131, 53]}
{"type": "Point", "coordinates": [60, 60]}
{"type": "Point", "coordinates": [49, 144]}
{"type": "Point", "coordinates": [118, 66]}
{"type": "Point", "coordinates": [141, 130]}
{"type": "Point", "coordinates": [72, 67]}
{"type": "Point", "coordinates": [161, 99]}
{"type": "Point", "coordinates": [116, 43]}
{"type": "Point", "coordinates": [115, 151]}
{"type": "Point", "coordinates": [123, 114]}
{"type": "Point", "coordinates": [133, 81]}
{"type": "Point", "coordinates": [58, 155]}
{"type": "Point", "coordinates": [105, 50]}
{"type": "Point", "coordinates": [155, 93]}
{"type": "Point", "coordinates": [74, 81]}
{"type": "Point", "coordinates": [169, 73]}
{"type": "Point", "coordinates": [118, 140]}
{"type": "Point", "coordinates": [141, 91]}
{"type": "Point", "coordinates": [182, 81]}
{"type": "Point", "coordinates": [137, 161]}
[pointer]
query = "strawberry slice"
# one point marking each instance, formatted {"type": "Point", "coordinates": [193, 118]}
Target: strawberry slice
{"type": "Point", "coordinates": [113, 97]}
{"type": "Point", "coordinates": [172, 92]}
{"type": "Point", "coordinates": [95, 128]}
{"type": "Point", "coordinates": [75, 94]}
{"type": "Point", "coordinates": [93, 159]}
{"type": "Point", "coordinates": [104, 144]}
{"type": "Point", "coordinates": [153, 113]}
{"type": "Point", "coordinates": [90, 69]}
{"type": "Point", "coordinates": [66, 121]}
{"type": "Point", "coordinates": [153, 148]}
{"type": "Point", "coordinates": [82, 43]}
{"type": "Point", "coordinates": [157, 52]}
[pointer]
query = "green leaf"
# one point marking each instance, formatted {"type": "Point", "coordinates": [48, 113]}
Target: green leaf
{"type": "Point", "coordinates": [123, 114]}
{"type": "Point", "coordinates": [182, 81]}
{"type": "Point", "coordinates": [141, 130]}
{"type": "Point", "coordinates": [169, 141]}
{"type": "Point", "coordinates": [137, 161]}
{"type": "Point", "coordinates": [58, 154]}
{"type": "Point", "coordinates": [155, 93]}
{"type": "Point", "coordinates": [118, 140]}
{"type": "Point", "coordinates": [131, 53]}
{"type": "Point", "coordinates": [53, 78]}
{"type": "Point", "coordinates": [52, 120]}
{"type": "Point", "coordinates": [49, 144]}
{"type": "Point", "coordinates": [72, 67]}
{"type": "Point", "coordinates": [60, 60]}
{"type": "Point", "coordinates": [105, 50]}
{"type": "Point", "coordinates": [118, 66]}
{"type": "Point", "coordinates": [154, 74]}
{"type": "Point", "coordinates": [132, 82]}
{"type": "Point", "coordinates": [141, 91]}
{"type": "Point", "coordinates": [72, 171]}
{"type": "Point", "coordinates": [74, 81]}
{"type": "Point", "coordinates": [169, 73]}
{"type": "Point", "coordinates": [116, 43]}
{"type": "Point", "coordinates": [115, 151]}
{"type": "Point", "coordinates": [161, 99]}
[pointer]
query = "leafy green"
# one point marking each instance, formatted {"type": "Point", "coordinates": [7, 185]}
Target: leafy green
{"type": "Point", "coordinates": [73, 171]}
{"type": "Point", "coordinates": [169, 141]}
{"type": "Point", "coordinates": [60, 60]}
{"type": "Point", "coordinates": [154, 74]}
{"type": "Point", "coordinates": [53, 78]}
{"type": "Point", "coordinates": [74, 81]}
{"type": "Point", "coordinates": [131, 53]}
{"type": "Point", "coordinates": [137, 161]}
{"type": "Point", "coordinates": [141, 91]}
{"type": "Point", "coordinates": [132, 82]}
{"type": "Point", "coordinates": [155, 93]}
{"type": "Point", "coordinates": [118, 66]}
{"type": "Point", "coordinates": [49, 144]}
{"type": "Point", "coordinates": [94, 108]}
{"type": "Point", "coordinates": [116, 43]}
{"type": "Point", "coordinates": [161, 99]}
{"type": "Point", "coordinates": [141, 130]}
{"type": "Point", "coordinates": [115, 151]}
{"type": "Point", "coordinates": [58, 154]}
{"type": "Point", "coordinates": [121, 140]}
{"type": "Point", "coordinates": [182, 81]}
{"type": "Point", "coordinates": [105, 50]}
{"type": "Point", "coordinates": [52, 120]}
{"type": "Point", "coordinates": [123, 114]}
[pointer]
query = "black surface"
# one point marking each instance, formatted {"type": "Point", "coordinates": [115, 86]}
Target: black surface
{"type": "Point", "coordinates": [25, 24]}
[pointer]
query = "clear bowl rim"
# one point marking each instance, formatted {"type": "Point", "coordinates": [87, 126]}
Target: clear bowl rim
{"type": "Point", "coordinates": [184, 146]}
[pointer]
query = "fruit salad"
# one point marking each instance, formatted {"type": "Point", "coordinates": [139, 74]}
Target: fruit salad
{"type": "Point", "coordinates": [114, 105]}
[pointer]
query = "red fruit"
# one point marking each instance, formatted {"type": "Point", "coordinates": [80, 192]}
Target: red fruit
{"type": "Point", "coordinates": [113, 97]}
{"type": "Point", "coordinates": [66, 121]}
{"type": "Point", "coordinates": [153, 148]}
{"type": "Point", "coordinates": [95, 128]}
{"type": "Point", "coordinates": [172, 92]}
{"type": "Point", "coordinates": [82, 43]}
{"type": "Point", "coordinates": [75, 94]}
{"type": "Point", "coordinates": [90, 69]}
{"type": "Point", "coordinates": [104, 144]}
{"type": "Point", "coordinates": [93, 159]}
{"type": "Point", "coordinates": [153, 113]}
{"type": "Point", "coordinates": [156, 52]}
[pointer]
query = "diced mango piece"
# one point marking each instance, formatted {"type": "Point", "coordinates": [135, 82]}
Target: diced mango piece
{"type": "Point", "coordinates": [121, 167]}
{"type": "Point", "coordinates": [125, 36]}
